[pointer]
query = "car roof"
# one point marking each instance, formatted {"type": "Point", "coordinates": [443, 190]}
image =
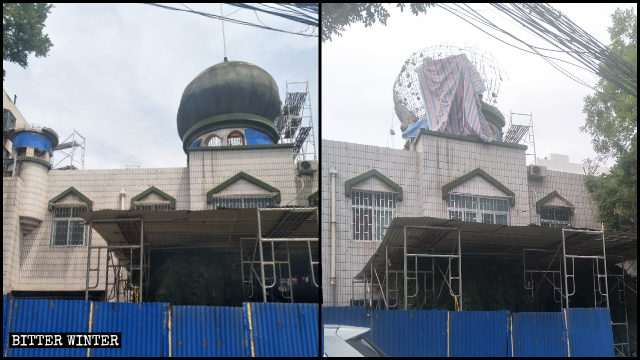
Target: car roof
{"type": "Point", "coordinates": [346, 332]}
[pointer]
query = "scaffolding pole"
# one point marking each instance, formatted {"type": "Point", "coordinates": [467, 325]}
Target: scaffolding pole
{"type": "Point", "coordinates": [572, 257]}
{"type": "Point", "coordinates": [457, 256]}
{"type": "Point", "coordinates": [277, 265]}
{"type": "Point", "coordinates": [119, 291]}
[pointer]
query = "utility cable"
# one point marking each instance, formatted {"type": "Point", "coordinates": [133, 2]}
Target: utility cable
{"type": "Point", "coordinates": [224, 41]}
{"type": "Point", "coordinates": [235, 21]}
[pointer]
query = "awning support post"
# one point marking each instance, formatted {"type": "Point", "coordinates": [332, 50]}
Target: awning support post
{"type": "Point", "coordinates": [259, 239]}
{"type": "Point", "coordinates": [88, 236]}
{"type": "Point", "coordinates": [404, 257]}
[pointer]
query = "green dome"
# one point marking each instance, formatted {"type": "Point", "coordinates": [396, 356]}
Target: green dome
{"type": "Point", "coordinates": [493, 115]}
{"type": "Point", "coordinates": [232, 94]}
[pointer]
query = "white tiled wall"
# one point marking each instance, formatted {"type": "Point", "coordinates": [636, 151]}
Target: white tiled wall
{"type": "Point", "coordinates": [208, 169]}
{"type": "Point", "coordinates": [422, 174]}
{"type": "Point", "coordinates": [351, 160]}
{"type": "Point", "coordinates": [11, 189]}
{"type": "Point", "coordinates": [571, 188]}
{"type": "Point", "coordinates": [30, 263]}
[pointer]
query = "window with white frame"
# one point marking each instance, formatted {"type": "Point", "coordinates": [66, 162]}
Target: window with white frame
{"type": "Point", "coordinates": [555, 217]}
{"type": "Point", "coordinates": [239, 202]}
{"type": "Point", "coordinates": [68, 227]}
{"type": "Point", "coordinates": [371, 214]}
{"type": "Point", "coordinates": [471, 208]}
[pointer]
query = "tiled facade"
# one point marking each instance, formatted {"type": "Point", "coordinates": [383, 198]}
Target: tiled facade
{"type": "Point", "coordinates": [433, 161]}
{"type": "Point", "coordinates": [31, 263]}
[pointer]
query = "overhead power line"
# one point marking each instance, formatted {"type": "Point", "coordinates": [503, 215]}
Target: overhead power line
{"type": "Point", "coordinates": [231, 20]}
{"type": "Point", "coordinates": [298, 17]}
{"type": "Point", "coordinates": [564, 35]}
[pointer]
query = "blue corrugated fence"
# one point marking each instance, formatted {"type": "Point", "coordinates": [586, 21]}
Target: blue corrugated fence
{"type": "Point", "coordinates": [411, 332]}
{"type": "Point", "coordinates": [482, 333]}
{"type": "Point", "coordinates": [478, 333]}
{"type": "Point", "coordinates": [589, 332]}
{"type": "Point", "coordinates": [345, 315]}
{"type": "Point", "coordinates": [207, 331]}
{"type": "Point", "coordinates": [539, 334]}
{"type": "Point", "coordinates": [282, 329]}
{"type": "Point", "coordinates": [41, 315]}
{"type": "Point", "coordinates": [147, 322]}
{"type": "Point", "coordinates": [157, 329]}
{"type": "Point", "coordinates": [6, 310]}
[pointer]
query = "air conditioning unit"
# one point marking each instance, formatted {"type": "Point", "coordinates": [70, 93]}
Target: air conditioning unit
{"type": "Point", "coordinates": [307, 166]}
{"type": "Point", "coordinates": [537, 171]}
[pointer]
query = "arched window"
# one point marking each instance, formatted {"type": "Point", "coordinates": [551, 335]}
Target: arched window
{"type": "Point", "coordinates": [235, 138]}
{"type": "Point", "coordinates": [214, 141]}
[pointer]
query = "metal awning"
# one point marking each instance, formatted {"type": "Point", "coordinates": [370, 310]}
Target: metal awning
{"type": "Point", "coordinates": [211, 228]}
{"type": "Point", "coordinates": [285, 234]}
{"type": "Point", "coordinates": [489, 240]}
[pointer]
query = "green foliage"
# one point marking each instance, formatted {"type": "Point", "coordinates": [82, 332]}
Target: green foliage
{"type": "Point", "coordinates": [493, 284]}
{"type": "Point", "coordinates": [22, 32]}
{"type": "Point", "coordinates": [335, 16]}
{"type": "Point", "coordinates": [611, 120]}
{"type": "Point", "coordinates": [488, 284]}
{"type": "Point", "coordinates": [195, 278]}
{"type": "Point", "coordinates": [616, 193]}
{"type": "Point", "coordinates": [611, 113]}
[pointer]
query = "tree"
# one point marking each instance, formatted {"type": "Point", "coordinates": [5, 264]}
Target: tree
{"type": "Point", "coordinates": [22, 32]}
{"type": "Point", "coordinates": [616, 193]}
{"type": "Point", "coordinates": [611, 120]}
{"type": "Point", "coordinates": [335, 16]}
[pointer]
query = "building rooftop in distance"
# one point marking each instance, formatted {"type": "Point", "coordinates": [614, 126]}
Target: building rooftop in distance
{"type": "Point", "coordinates": [560, 162]}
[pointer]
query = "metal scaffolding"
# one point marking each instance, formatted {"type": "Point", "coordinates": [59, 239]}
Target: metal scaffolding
{"type": "Point", "coordinates": [271, 255]}
{"type": "Point", "coordinates": [282, 238]}
{"type": "Point", "coordinates": [560, 273]}
{"type": "Point", "coordinates": [419, 266]}
{"type": "Point", "coordinates": [522, 134]}
{"type": "Point", "coordinates": [119, 284]}
{"type": "Point", "coordinates": [295, 122]}
{"type": "Point", "coordinates": [416, 252]}
{"type": "Point", "coordinates": [71, 151]}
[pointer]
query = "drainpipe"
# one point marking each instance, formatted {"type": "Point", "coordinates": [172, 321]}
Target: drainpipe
{"type": "Point", "coordinates": [123, 194]}
{"type": "Point", "coordinates": [332, 174]}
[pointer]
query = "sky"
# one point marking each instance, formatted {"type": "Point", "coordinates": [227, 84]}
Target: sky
{"type": "Point", "coordinates": [360, 67]}
{"type": "Point", "coordinates": [116, 73]}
